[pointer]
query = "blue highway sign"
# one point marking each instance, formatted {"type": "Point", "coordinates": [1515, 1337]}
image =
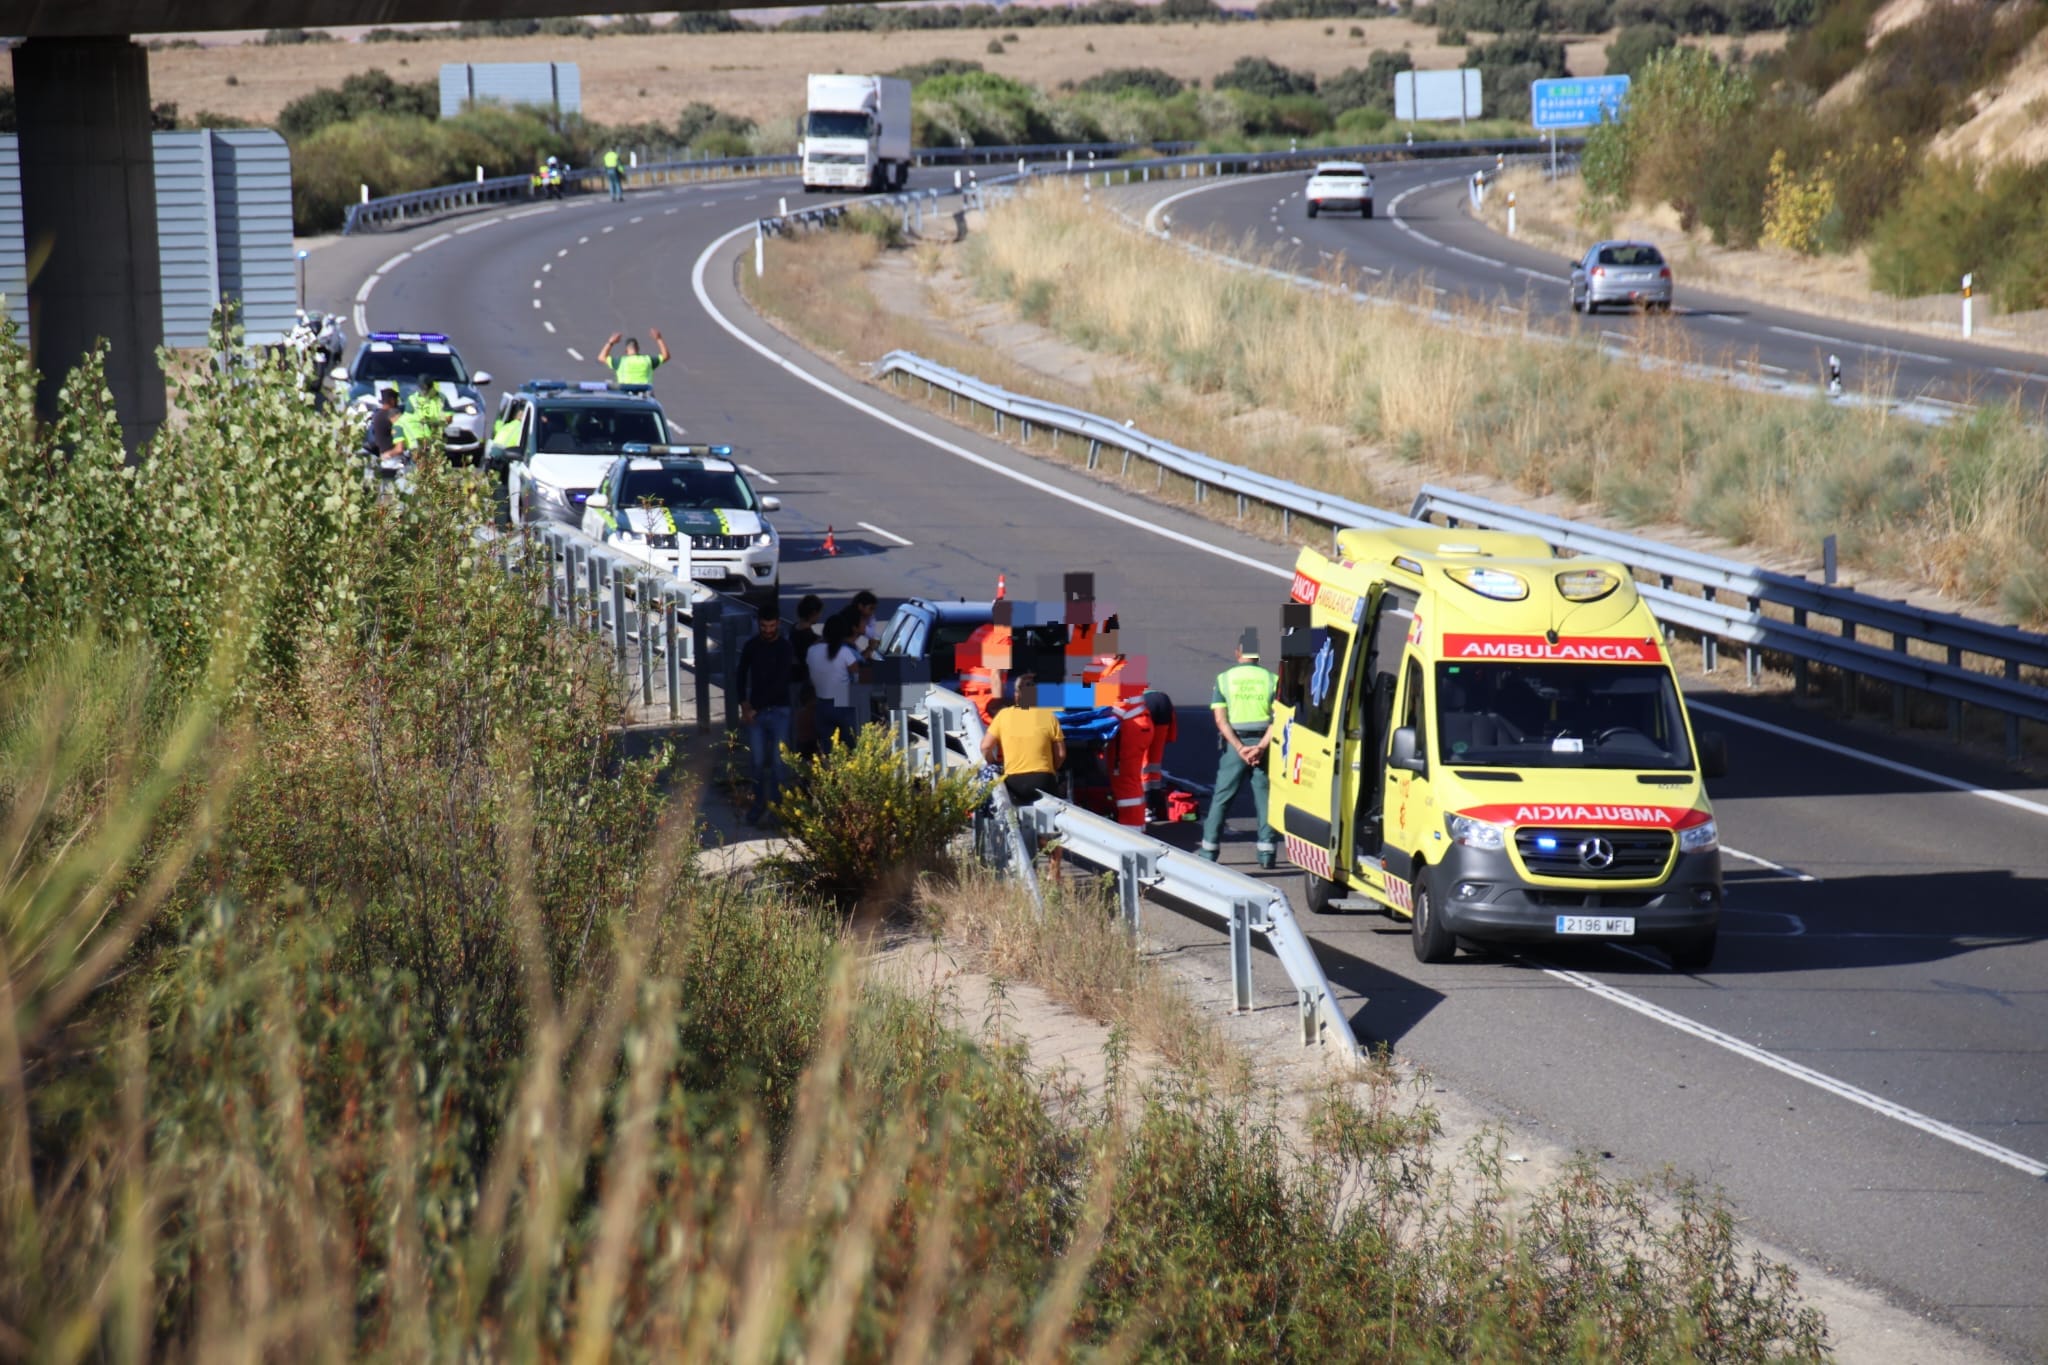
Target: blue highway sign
{"type": "Point", "coordinates": [1577, 102]}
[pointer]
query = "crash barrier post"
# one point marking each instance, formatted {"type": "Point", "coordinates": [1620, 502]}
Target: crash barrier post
{"type": "Point", "coordinates": [2004, 655]}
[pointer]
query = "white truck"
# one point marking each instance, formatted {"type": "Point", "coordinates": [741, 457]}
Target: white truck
{"type": "Point", "coordinates": [856, 134]}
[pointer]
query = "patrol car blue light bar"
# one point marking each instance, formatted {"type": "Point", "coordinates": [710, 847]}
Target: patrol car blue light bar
{"type": "Point", "coordinates": [583, 386]}
{"type": "Point", "coordinates": [409, 336]}
{"type": "Point", "coordinates": [648, 448]}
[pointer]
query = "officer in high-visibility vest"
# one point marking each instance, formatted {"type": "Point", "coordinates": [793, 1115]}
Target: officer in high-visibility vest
{"type": "Point", "coordinates": [1243, 706]}
{"type": "Point", "coordinates": [631, 367]}
{"type": "Point", "coordinates": [614, 179]}
{"type": "Point", "coordinates": [425, 413]}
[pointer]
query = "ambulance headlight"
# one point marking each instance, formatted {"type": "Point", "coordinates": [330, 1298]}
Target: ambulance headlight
{"type": "Point", "coordinates": [1476, 833]}
{"type": "Point", "coordinates": [1586, 585]}
{"type": "Point", "coordinates": [1704, 837]}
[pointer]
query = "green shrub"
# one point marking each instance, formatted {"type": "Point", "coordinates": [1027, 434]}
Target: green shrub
{"type": "Point", "coordinates": [860, 823]}
{"type": "Point", "coordinates": [1636, 44]}
{"type": "Point", "coordinates": [917, 73]}
{"type": "Point", "coordinates": [364, 93]}
{"type": "Point", "coordinates": [1263, 76]}
{"type": "Point", "coordinates": [1507, 66]}
{"type": "Point", "coordinates": [1145, 80]}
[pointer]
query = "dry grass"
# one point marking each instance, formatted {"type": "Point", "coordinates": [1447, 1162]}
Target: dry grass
{"type": "Point", "coordinates": [1963, 508]}
{"type": "Point", "coordinates": [1079, 954]}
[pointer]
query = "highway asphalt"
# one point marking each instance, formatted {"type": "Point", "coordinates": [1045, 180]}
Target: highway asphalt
{"type": "Point", "coordinates": [1421, 228]}
{"type": "Point", "coordinates": [1864, 1070]}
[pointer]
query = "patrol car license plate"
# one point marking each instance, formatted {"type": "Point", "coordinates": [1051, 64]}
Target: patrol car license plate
{"type": "Point", "coordinates": [706, 571]}
{"type": "Point", "coordinates": [1605, 926]}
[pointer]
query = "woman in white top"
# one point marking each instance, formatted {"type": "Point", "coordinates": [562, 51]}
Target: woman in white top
{"type": "Point", "coordinates": [833, 665]}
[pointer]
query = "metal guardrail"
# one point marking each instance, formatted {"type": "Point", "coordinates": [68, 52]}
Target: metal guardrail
{"type": "Point", "coordinates": [1742, 623]}
{"type": "Point", "coordinates": [949, 729]}
{"type": "Point", "coordinates": [390, 209]}
{"type": "Point", "coordinates": [681, 646]}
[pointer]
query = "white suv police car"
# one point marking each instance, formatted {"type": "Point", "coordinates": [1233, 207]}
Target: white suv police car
{"type": "Point", "coordinates": [408, 362]}
{"type": "Point", "coordinates": [688, 510]}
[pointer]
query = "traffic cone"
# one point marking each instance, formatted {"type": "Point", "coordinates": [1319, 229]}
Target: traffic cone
{"type": "Point", "coordinates": [831, 545]}
{"type": "Point", "coordinates": [1001, 581]}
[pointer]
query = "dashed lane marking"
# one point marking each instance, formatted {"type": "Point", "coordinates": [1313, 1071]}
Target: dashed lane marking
{"type": "Point", "coordinates": [636, 218]}
{"type": "Point", "coordinates": [764, 478]}
{"type": "Point", "coordinates": [1860, 345]}
{"type": "Point", "coordinates": [611, 227]}
{"type": "Point", "coordinates": [574, 354]}
{"type": "Point", "coordinates": [583, 241]}
{"type": "Point", "coordinates": [536, 303]}
{"type": "Point", "coordinates": [432, 242]}
{"type": "Point", "coordinates": [478, 226]}
{"type": "Point", "coordinates": [549, 325]}
{"type": "Point", "coordinates": [1475, 256]}
{"type": "Point", "coordinates": [536, 284]}
{"type": "Point", "coordinates": [563, 252]}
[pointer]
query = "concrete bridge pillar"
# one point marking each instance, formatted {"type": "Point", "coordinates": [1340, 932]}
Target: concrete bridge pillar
{"type": "Point", "coordinates": [88, 208]}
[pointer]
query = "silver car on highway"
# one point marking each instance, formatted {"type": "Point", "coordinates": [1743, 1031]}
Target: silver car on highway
{"type": "Point", "coordinates": [1631, 274]}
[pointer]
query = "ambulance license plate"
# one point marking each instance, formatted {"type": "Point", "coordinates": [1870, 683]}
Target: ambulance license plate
{"type": "Point", "coordinates": [1604, 926]}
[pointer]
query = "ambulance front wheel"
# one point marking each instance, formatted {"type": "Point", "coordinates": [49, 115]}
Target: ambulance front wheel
{"type": "Point", "coordinates": [1432, 940]}
{"type": "Point", "coordinates": [1322, 895]}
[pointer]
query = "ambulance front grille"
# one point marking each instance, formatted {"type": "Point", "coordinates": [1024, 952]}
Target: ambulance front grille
{"type": "Point", "coordinates": [1614, 855]}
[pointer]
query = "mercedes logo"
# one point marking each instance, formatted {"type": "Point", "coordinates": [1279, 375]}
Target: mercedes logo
{"type": "Point", "coordinates": [1596, 853]}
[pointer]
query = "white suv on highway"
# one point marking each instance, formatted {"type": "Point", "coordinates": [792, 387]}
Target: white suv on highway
{"type": "Point", "coordinates": [1339, 185]}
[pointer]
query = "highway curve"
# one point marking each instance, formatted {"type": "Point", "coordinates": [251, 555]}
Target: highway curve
{"type": "Point", "coordinates": [1422, 230]}
{"type": "Point", "coordinates": [1865, 1070]}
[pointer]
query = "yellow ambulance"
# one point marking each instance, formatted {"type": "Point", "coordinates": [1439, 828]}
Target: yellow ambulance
{"type": "Point", "coordinates": [1489, 741]}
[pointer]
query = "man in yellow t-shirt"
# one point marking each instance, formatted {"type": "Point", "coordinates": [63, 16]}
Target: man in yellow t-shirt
{"type": "Point", "coordinates": [1026, 739]}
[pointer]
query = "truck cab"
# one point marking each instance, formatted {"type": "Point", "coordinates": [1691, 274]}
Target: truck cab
{"type": "Point", "coordinates": [856, 133]}
{"type": "Point", "coordinates": [1490, 742]}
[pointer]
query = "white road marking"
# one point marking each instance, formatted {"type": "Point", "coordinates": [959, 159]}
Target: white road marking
{"type": "Point", "coordinates": [1475, 256]}
{"type": "Point", "coordinates": [1539, 275]}
{"type": "Point", "coordinates": [1860, 345]}
{"type": "Point", "coordinates": [764, 478]}
{"type": "Point", "coordinates": [1297, 240]}
{"type": "Point", "coordinates": [393, 263]}
{"type": "Point", "coordinates": [612, 227]}
{"type": "Point", "coordinates": [549, 325]}
{"type": "Point", "coordinates": [528, 213]}
{"type": "Point", "coordinates": [536, 303]}
{"type": "Point", "coordinates": [536, 284]}
{"type": "Point", "coordinates": [886, 535]}
{"type": "Point", "coordinates": [636, 219]}
{"type": "Point", "coordinates": [432, 242]}
{"type": "Point", "coordinates": [1791, 872]}
{"type": "Point", "coordinates": [668, 213]}
{"type": "Point", "coordinates": [1720, 317]}
{"type": "Point", "coordinates": [1504, 308]}
{"type": "Point", "coordinates": [1772, 369]}
{"type": "Point", "coordinates": [563, 252]}
{"type": "Point", "coordinates": [583, 241]}
{"type": "Point", "coordinates": [2016, 374]}
{"type": "Point", "coordinates": [1820, 1080]}
{"type": "Point", "coordinates": [1658, 1013]}
{"type": "Point", "coordinates": [548, 269]}
{"type": "Point", "coordinates": [574, 354]}
{"type": "Point", "coordinates": [2003, 798]}
{"type": "Point", "coordinates": [363, 292]}
{"type": "Point", "coordinates": [477, 227]}
{"type": "Point", "coordinates": [676, 433]}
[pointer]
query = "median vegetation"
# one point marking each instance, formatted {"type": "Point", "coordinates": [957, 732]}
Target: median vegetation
{"type": "Point", "coordinates": [364, 998]}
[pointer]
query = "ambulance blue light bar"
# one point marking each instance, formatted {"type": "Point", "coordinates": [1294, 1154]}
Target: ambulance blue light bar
{"type": "Point", "coordinates": [409, 336]}
{"type": "Point", "coordinates": [648, 448]}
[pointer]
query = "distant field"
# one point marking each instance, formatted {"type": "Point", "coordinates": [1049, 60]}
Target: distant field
{"type": "Point", "coordinates": [761, 75]}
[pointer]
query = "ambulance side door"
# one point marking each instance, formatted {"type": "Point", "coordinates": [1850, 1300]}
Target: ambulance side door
{"type": "Point", "coordinates": [1411, 813]}
{"type": "Point", "coordinates": [1308, 771]}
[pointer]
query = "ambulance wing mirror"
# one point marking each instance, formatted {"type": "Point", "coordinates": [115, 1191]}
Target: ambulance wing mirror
{"type": "Point", "coordinates": [1713, 754]}
{"type": "Point", "coordinates": [1405, 752]}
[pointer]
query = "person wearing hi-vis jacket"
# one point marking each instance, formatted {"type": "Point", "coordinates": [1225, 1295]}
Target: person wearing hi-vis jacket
{"type": "Point", "coordinates": [631, 367]}
{"type": "Point", "coordinates": [1243, 706]}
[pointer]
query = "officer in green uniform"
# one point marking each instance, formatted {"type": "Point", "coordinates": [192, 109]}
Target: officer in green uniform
{"type": "Point", "coordinates": [631, 367]}
{"type": "Point", "coordinates": [1243, 706]}
{"type": "Point", "coordinates": [424, 413]}
{"type": "Point", "coordinates": [614, 180]}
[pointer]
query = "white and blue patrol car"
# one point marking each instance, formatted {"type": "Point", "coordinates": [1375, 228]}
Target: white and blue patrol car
{"type": "Point", "coordinates": [688, 510]}
{"type": "Point", "coordinates": [408, 362]}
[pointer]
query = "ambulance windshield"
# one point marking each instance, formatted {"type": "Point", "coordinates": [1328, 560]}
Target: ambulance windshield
{"type": "Point", "coordinates": [1560, 715]}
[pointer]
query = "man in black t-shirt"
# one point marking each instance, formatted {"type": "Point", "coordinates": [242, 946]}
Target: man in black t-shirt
{"type": "Point", "coordinates": [384, 435]}
{"type": "Point", "coordinates": [766, 666]}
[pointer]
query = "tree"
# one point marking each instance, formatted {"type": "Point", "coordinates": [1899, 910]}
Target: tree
{"type": "Point", "coordinates": [1636, 44]}
{"type": "Point", "coordinates": [1263, 76]}
{"type": "Point", "coordinates": [1148, 80]}
{"type": "Point", "coordinates": [1507, 65]}
{"type": "Point", "coordinates": [1372, 88]}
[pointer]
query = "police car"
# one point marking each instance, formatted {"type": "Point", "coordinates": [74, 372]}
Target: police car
{"type": "Point", "coordinates": [408, 362]}
{"type": "Point", "coordinates": [555, 440]}
{"type": "Point", "coordinates": [687, 510]}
